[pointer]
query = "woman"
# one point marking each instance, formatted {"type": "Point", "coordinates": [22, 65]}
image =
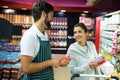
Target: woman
{"type": "Point", "coordinates": [83, 54]}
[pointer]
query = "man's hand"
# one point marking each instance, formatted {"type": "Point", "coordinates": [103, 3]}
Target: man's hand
{"type": "Point", "coordinates": [54, 63]}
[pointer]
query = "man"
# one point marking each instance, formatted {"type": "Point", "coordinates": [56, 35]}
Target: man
{"type": "Point", "coordinates": [36, 58]}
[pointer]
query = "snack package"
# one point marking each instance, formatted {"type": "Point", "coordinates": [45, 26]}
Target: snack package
{"type": "Point", "coordinates": [62, 59]}
{"type": "Point", "coordinates": [65, 57]}
{"type": "Point", "coordinates": [100, 60]}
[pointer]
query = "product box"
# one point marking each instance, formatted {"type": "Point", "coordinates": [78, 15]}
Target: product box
{"type": "Point", "coordinates": [100, 60]}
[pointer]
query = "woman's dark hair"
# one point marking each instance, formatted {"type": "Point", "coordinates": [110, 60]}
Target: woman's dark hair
{"type": "Point", "coordinates": [40, 6]}
{"type": "Point", "coordinates": [81, 25]}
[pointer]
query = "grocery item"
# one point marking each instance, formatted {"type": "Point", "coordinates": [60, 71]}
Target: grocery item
{"type": "Point", "coordinates": [100, 60]}
{"type": "Point", "coordinates": [62, 59]}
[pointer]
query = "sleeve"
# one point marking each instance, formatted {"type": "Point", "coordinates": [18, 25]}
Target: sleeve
{"type": "Point", "coordinates": [27, 45]}
{"type": "Point", "coordinates": [73, 63]}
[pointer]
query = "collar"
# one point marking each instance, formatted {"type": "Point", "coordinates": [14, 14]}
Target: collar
{"type": "Point", "coordinates": [40, 34]}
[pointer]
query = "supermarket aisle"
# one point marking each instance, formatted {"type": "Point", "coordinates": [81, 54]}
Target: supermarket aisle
{"type": "Point", "coordinates": [61, 73]}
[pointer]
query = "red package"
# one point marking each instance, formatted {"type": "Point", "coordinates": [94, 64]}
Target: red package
{"type": "Point", "coordinates": [100, 60]}
{"type": "Point", "coordinates": [65, 58]}
{"type": "Point", "coordinates": [62, 59]}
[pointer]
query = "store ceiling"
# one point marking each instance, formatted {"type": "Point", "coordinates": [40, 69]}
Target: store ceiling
{"type": "Point", "coordinates": [68, 5]}
{"type": "Point", "coordinates": [65, 3]}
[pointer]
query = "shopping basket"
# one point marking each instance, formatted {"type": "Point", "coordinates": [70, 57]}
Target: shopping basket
{"type": "Point", "coordinates": [99, 76]}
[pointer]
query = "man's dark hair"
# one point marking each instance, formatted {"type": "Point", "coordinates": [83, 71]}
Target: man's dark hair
{"type": "Point", "coordinates": [82, 25]}
{"type": "Point", "coordinates": [39, 7]}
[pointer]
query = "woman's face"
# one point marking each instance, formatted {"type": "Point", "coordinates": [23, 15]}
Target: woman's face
{"type": "Point", "coordinates": [79, 34]}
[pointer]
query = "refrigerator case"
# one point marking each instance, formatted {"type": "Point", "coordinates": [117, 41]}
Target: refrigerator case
{"type": "Point", "coordinates": [109, 41]}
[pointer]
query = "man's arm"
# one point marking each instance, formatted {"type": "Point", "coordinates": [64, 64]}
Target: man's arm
{"type": "Point", "coordinates": [29, 67]}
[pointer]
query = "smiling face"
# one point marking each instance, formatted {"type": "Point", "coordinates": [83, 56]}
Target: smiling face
{"type": "Point", "coordinates": [79, 34]}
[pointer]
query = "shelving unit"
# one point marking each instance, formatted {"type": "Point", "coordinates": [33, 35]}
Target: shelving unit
{"type": "Point", "coordinates": [118, 43]}
{"type": "Point", "coordinates": [20, 22]}
{"type": "Point", "coordinates": [18, 19]}
{"type": "Point", "coordinates": [109, 45]}
{"type": "Point", "coordinates": [58, 34]}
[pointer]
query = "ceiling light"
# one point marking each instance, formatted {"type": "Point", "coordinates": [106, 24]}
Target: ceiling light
{"type": "Point", "coordinates": [5, 6]}
{"type": "Point", "coordinates": [63, 11]}
{"type": "Point", "coordinates": [85, 11]}
{"type": "Point", "coordinates": [24, 8]}
{"type": "Point", "coordinates": [9, 10]}
{"type": "Point", "coordinates": [83, 15]}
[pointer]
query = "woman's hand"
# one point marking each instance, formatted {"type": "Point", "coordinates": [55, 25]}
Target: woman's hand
{"type": "Point", "coordinates": [92, 65]}
{"type": "Point", "coordinates": [64, 61]}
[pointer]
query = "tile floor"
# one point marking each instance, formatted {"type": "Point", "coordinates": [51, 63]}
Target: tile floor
{"type": "Point", "coordinates": [61, 73]}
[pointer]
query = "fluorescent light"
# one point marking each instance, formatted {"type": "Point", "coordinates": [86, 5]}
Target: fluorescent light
{"type": "Point", "coordinates": [24, 8]}
{"type": "Point", "coordinates": [85, 11]}
{"type": "Point", "coordinates": [5, 6]}
{"type": "Point", "coordinates": [9, 10]}
{"type": "Point", "coordinates": [113, 13]}
{"type": "Point", "coordinates": [83, 14]}
{"type": "Point", "coordinates": [63, 11]}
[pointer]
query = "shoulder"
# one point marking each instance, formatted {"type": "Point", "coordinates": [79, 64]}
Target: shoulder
{"type": "Point", "coordinates": [72, 46]}
{"type": "Point", "coordinates": [29, 33]}
{"type": "Point", "coordinates": [29, 36]}
{"type": "Point", "coordinates": [90, 43]}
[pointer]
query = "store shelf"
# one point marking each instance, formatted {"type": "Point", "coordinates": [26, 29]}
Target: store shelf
{"type": "Point", "coordinates": [109, 40]}
{"type": "Point", "coordinates": [107, 43]}
{"type": "Point", "coordinates": [58, 33]}
{"type": "Point", "coordinates": [107, 69]}
{"type": "Point", "coordinates": [106, 49]}
{"type": "Point", "coordinates": [107, 37]}
{"type": "Point", "coordinates": [109, 57]}
{"type": "Point", "coordinates": [59, 48]}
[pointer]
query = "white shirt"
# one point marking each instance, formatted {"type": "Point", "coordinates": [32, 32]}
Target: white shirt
{"type": "Point", "coordinates": [29, 43]}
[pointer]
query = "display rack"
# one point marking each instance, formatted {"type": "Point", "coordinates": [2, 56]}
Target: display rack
{"type": "Point", "coordinates": [20, 22]}
{"type": "Point", "coordinates": [109, 45]}
{"type": "Point", "coordinates": [58, 33]}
